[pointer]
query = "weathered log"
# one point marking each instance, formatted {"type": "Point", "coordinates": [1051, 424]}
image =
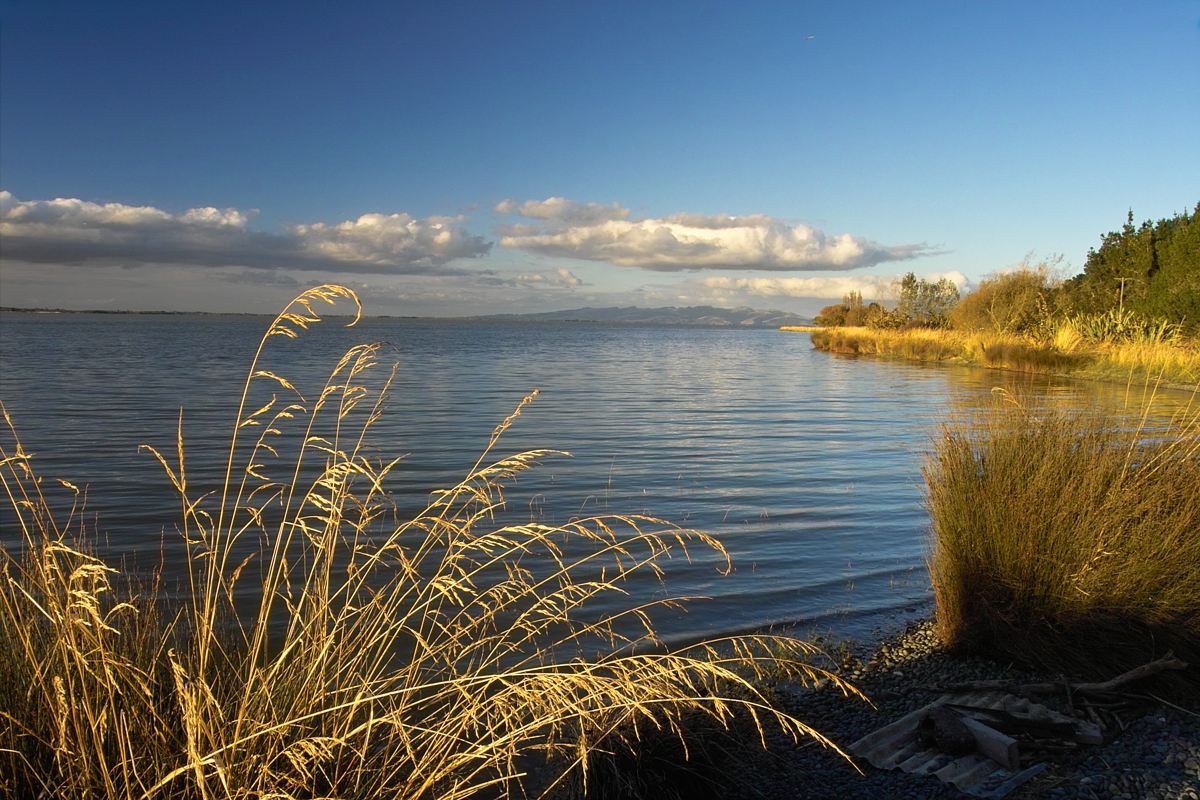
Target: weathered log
{"type": "Point", "coordinates": [1027, 719]}
{"type": "Point", "coordinates": [1007, 722]}
{"type": "Point", "coordinates": [995, 745]}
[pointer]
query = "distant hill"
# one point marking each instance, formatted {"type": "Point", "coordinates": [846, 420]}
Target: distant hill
{"type": "Point", "coordinates": [690, 316]}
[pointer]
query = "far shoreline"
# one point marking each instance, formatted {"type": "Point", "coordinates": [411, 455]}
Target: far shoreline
{"type": "Point", "coordinates": [691, 317]}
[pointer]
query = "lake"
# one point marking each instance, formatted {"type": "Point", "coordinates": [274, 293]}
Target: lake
{"type": "Point", "coordinates": [806, 465]}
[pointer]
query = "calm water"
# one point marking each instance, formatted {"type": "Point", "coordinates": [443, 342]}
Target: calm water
{"type": "Point", "coordinates": [806, 465]}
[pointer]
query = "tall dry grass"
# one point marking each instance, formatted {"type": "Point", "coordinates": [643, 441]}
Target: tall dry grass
{"type": "Point", "coordinates": [917, 344]}
{"type": "Point", "coordinates": [440, 654]}
{"type": "Point", "coordinates": [1066, 352]}
{"type": "Point", "coordinates": [1177, 363]}
{"type": "Point", "coordinates": [1068, 540]}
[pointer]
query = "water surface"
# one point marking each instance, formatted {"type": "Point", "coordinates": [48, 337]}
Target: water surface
{"type": "Point", "coordinates": [806, 465]}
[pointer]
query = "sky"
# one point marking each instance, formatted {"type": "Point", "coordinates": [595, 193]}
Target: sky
{"type": "Point", "coordinates": [468, 158]}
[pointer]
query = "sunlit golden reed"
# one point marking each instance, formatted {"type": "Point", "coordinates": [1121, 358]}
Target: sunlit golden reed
{"type": "Point", "coordinates": [1066, 352]}
{"type": "Point", "coordinates": [442, 654]}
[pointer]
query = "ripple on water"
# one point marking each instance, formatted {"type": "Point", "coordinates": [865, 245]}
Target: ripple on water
{"type": "Point", "coordinates": [806, 465]}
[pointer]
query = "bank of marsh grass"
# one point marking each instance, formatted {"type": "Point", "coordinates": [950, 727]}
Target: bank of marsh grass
{"type": "Point", "coordinates": [441, 654]}
{"type": "Point", "coordinates": [1065, 353]}
{"type": "Point", "coordinates": [1070, 541]}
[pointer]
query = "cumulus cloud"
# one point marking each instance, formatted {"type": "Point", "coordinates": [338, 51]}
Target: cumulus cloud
{"type": "Point", "coordinates": [73, 231]}
{"type": "Point", "coordinates": [391, 240]}
{"type": "Point", "coordinates": [832, 287]}
{"type": "Point", "coordinates": [691, 241]}
{"type": "Point", "coordinates": [560, 209]}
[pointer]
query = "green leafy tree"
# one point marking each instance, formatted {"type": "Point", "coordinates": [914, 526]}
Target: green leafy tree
{"type": "Point", "coordinates": [924, 303]}
{"type": "Point", "coordinates": [1152, 269]}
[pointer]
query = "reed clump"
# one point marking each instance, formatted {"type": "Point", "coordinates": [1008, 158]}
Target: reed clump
{"type": "Point", "coordinates": [329, 645]}
{"type": "Point", "coordinates": [1068, 541]}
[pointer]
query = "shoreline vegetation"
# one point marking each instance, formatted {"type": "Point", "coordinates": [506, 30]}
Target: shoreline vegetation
{"type": "Point", "coordinates": [1132, 315]}
{"type": "Point", "coordinates": [1174, 365]}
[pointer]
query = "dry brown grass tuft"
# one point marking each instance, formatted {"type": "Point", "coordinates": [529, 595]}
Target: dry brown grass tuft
{"type": "Point", "coordinates": [1069, 541]}
{"type": "Point", "coordinates": [438, 655]}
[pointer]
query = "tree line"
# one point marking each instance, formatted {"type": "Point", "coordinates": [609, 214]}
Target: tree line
{"type": "Point", "coordinates": [1139, 277]}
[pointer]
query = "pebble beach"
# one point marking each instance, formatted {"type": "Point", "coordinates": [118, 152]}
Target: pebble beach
{"type": "Point", "coordinates": [1155, 757]}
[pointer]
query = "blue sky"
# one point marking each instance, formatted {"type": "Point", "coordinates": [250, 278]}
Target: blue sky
{"type": "Point", "coordinates": [848, 142]}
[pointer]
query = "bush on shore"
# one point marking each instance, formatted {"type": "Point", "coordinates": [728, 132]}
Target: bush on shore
{"type": "Point", "coordinates": [1017, 302]}
{"type": "Point", "coordinates": [441, 654]}
{"type": "Point", "coordinates": [1068, 541]}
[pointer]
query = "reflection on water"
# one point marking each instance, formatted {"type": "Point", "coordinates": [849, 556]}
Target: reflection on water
{"type": "Point", "coordinates": [806, 465]}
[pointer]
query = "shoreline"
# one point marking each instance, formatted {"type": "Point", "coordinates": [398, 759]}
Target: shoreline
{"type": "Point", "coordinates": [1172, 367]}
{"type": "Point", "coordinates": [1151, 750]}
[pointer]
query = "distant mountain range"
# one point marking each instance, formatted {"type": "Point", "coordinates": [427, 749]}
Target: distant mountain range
{"type": "Point", "coordinates": [689, 316]}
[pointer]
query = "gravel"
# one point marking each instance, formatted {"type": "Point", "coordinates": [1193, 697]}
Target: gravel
{"type": "Point", "coordinates": [1156, 756]}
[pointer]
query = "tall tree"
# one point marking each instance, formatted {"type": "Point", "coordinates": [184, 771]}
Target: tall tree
{"type": "Point", "coordinates": [923, 302]}
{"type": "Point", "coordinates": [1153, 269]}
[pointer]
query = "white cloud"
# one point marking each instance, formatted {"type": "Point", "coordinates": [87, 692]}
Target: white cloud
{"type": "Point", "coordinates": [73, 231]}
{"type": "Point", "coordinates": [560, 209]}
{"type": "Point", "coordinates": [871, 286]}
{"type": "Point", "coordinates": [692, 241]}
{"type": "Point", "coordinates": [390, 239]}
{"type": "Point", "coordinates": [561, 278]}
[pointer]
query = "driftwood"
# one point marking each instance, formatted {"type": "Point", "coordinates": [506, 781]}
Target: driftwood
{"type": "Point", "coordinates": [995, 745]}
{"type": "Point", "coordinates": [1167, 662]}
{"type": "Point", "coordinates": [1019, 717]}
{"type": "Point", "coordinates": [1009, 722]}
{"type": "Point", "coordinates": [991, 766]}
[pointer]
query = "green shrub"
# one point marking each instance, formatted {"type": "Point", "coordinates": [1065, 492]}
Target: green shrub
{"type": "Point", "coordinates": [849, 313]}
{"type": "Point", "coordinates": [881, 319]}
{"type": "Point", "coordinates": [1009, 302]}
{"type": "Point", "coordinates": [1123, 325]}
